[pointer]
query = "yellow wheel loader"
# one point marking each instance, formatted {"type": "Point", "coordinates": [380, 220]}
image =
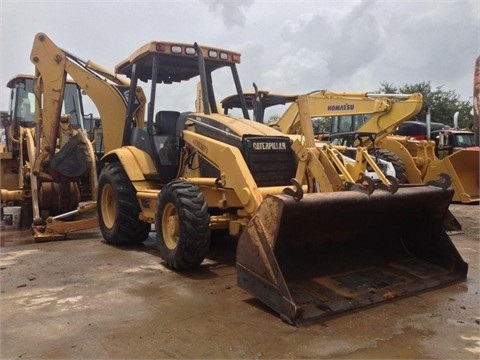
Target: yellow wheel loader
{"type": "Point", "coordinates": [191, 172]}
{"type": "Point", "coordinates": [416, 156]}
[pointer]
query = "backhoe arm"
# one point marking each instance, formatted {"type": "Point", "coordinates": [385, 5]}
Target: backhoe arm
{"type": "Point", "coordinates": [110, 97]}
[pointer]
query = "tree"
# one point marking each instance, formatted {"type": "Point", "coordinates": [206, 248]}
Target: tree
{"type": "Point", "coordinates": [443, 104]}
{"type": "Point", "coordinates": [273, 118]}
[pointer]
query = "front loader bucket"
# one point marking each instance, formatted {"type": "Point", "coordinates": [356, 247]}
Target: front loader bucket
{"type": "Point", "coordinates": [333, 252]}
{"type": "Point", "coordinates": [463, 168]}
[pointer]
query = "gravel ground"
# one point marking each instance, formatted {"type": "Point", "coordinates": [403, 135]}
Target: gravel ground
{"type": "Point", "coordinates": [82, 298]}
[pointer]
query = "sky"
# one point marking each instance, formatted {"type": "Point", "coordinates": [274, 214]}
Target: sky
{"type": "Point", "coordinates": [294, 46]}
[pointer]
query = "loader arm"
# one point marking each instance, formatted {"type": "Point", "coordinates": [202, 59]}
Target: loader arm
{"type": "Point", "coordinates": [234, 171]}
{"type": "Point", "coordinates": [349, 173]}
{"type": "Point", "coordinates": [326, 103]}
{"type": "Point", "coordinates": [402, 110]}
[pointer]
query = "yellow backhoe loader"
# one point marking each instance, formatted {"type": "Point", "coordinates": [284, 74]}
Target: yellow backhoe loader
{"type": "Point", "coordinates": [191, 172]}
{"type": "Point", "coordinates": [49, 162]}
{"type": "Point", "coordinates": [234, 173]}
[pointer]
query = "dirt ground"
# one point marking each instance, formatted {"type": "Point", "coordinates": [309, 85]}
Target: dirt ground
{"type": "Point", "coordinates": [82, 298]}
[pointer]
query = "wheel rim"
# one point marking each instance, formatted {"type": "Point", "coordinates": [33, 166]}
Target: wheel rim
{"type": "Point", "coordinates": [108, 206]}
{"type": "Point", "coordinates": [170, 226]}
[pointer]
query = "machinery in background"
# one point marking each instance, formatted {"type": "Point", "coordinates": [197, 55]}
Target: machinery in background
{"type": "Point", "coordinates": [49, 163]}
{"type": "Point", "coordinates": [370, 120]}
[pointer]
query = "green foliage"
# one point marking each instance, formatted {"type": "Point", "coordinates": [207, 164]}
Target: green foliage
{"type": "Point", "coordinates": [322, 125]}
{"type": "Point", "coordinates": [273, 118]}
{"type": "Point", "coordinates": [443, 104]}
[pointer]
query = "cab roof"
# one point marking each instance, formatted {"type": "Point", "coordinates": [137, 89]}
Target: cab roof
{"type": "Point", "coordinates": [177, 61]}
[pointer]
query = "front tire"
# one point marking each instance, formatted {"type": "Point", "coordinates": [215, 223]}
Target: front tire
{"type": "Point", "coordinates": [118, 208]}
{"type": "Point", "coordinates": [182, 223]}
{"type": "Point", "coordinates": [398, 165]}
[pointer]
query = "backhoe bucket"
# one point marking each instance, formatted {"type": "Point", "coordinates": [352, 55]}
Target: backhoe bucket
{"type": "Point", "coordinates": [333, 252]}
{"type": "Point", "coordinates": [463, 168]}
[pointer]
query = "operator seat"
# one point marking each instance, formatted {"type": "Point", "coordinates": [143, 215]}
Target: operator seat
{"type": "Point", "coordinates": [166, 122]}
{"type": "Point", "coordinates": [167, 143]}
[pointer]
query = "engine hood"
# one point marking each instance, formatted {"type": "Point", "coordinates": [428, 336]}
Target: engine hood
{"type": "Point", "coordinates": [233, 126]}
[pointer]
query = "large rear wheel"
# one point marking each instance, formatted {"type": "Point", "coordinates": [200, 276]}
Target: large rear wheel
{"type": "Point", "coordinates": [182, 223]}
{"type": "Point", "coordinates": [118, 208]}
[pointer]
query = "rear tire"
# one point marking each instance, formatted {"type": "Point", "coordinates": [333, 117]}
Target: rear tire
{"type": "Point", "coordinates": [398, 165]}
{"type": "Point", "coordinates": [182, 222]}
{"type": "Point", "coordinates": [118, 208]}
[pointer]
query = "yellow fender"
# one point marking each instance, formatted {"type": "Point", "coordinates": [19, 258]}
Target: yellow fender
{"type": "Point", "coordinates": [136, 162]}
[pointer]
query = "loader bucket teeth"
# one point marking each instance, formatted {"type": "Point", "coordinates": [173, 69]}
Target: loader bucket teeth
{"type": "Point", "coordinates": [365, 185]}
{"type": "Point", "coordinates": [297, 194]}
{"type": "Point", "coordinates": [444, 181]}
{"type": "Point", "coordinates": [334, 252]}
{"type": "Point", "coordinates": [392, 188]}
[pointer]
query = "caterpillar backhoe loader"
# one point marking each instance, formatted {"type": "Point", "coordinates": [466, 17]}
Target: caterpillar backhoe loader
{"type": "Point", "coordinates": [49, 164]}
{"type": "Point", "coordinates": [191, 172]}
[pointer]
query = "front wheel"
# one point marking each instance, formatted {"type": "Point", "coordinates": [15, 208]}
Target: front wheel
{"type": "Point", "coordinates": [398, 165]}
{"type": "Point", "coordinates": [118, 208]}
{"type": "Point", "coordinates": [182, 222]}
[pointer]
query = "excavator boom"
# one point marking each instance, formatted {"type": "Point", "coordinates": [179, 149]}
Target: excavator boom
{"type": "Point", "coordinates": [380, 109]}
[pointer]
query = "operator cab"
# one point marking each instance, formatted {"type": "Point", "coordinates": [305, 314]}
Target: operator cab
{"type": "Point", "coordinates": [168, 63]}
{"type": "Point", "coordinates": [22, 102]}
{"type": "Point", "coordinates": [22, 106]}
{"type": "Point", "coordinates": [257, 101]}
